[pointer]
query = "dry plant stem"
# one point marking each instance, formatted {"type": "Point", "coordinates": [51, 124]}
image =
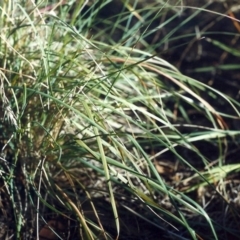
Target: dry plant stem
{"type": "Point", "coordinates": [234, 40]}
{"type": "Point", "coordinates": [94, 209]}
{"type": "Point", "coordinates": [38, 199]}
{"type": "Point", "coordinates": [77, 212]}
{"type": "Point", "coordinates": [220, 120]}
{"type": "Point", "coordinates": [89, 197]}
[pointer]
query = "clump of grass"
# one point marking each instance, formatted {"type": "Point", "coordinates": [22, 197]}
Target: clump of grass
{"type": "Point", "coordinates": [84, 119]}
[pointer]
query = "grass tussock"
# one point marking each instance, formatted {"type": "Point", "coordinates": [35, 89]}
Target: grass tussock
{"type": "Point", "coordinates": [101, 137]}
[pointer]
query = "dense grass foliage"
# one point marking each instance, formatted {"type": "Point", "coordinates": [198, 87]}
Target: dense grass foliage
{"type": "Point", "coordinates": [105, 133]}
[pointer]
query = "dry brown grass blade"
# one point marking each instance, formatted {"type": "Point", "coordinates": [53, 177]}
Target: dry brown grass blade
{"type": "Point", "coordinates": [220, 120]}
{"type": "Point", "coordinates": [71, 182]}
{"type": "Point", "coordinates": [77, 212]}
{"type": "Point", "coordinates": [234, 20]}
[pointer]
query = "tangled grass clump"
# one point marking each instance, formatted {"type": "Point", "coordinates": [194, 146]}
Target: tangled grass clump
{"type": "Point", "coordinates": [86, 124]}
